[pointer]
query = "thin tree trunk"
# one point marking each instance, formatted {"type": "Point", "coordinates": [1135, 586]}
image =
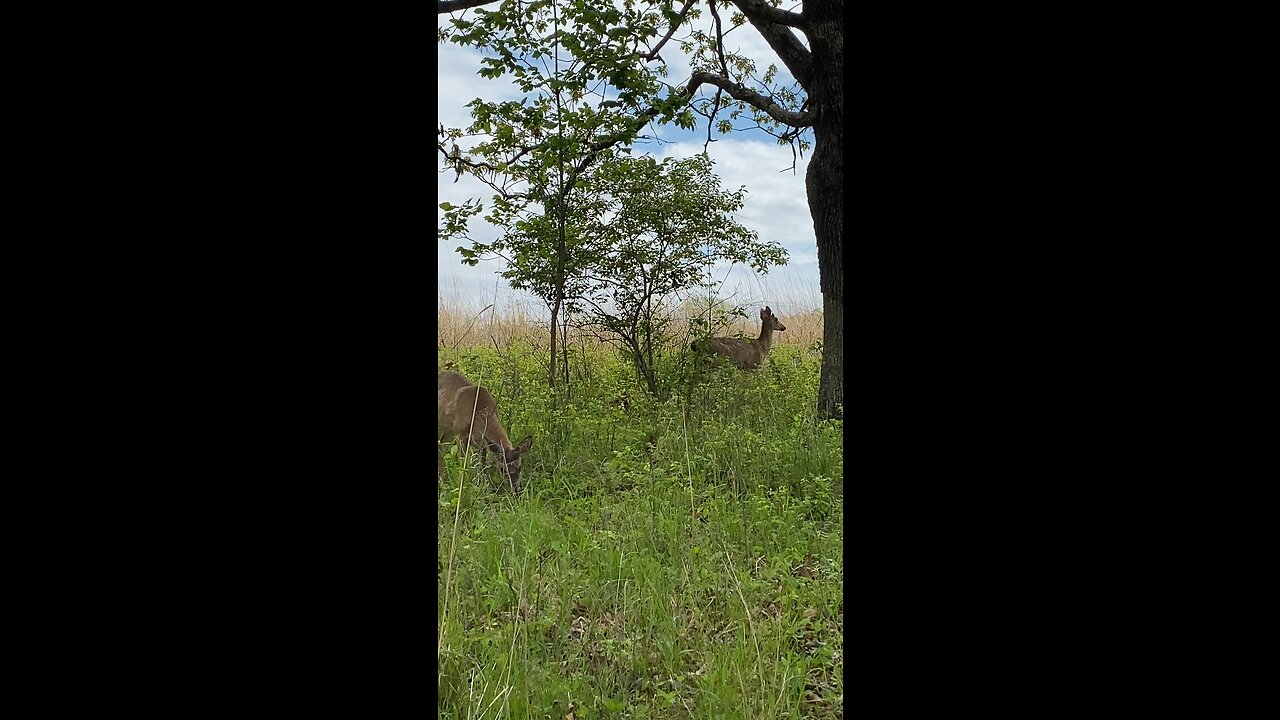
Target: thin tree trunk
{"type": "Point", "coordinates": [555, 316]}
{"type": "Point", "coordinates": [564, 348]}
{"type": "Point", "coordinates": [648, 334]}
{"type": "Point", "coordinates": [642, 367]}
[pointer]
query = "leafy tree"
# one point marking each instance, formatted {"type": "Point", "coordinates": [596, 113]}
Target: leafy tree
{"type": "Point", "coordinates": [616, 60]}
{"type": "Point", "coordinates": [543, 246]}
{"type": "Point", "coordinates": [535, 149]}
{"type": "Point", "coordinates": [657, 228]}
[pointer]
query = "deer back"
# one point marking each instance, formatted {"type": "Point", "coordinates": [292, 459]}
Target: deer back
{"type": "Point", "coordinates": [469, 413]}
{"type": "Point", "coordinates": [462, 406]}
{"type": "Point", "coordinates": [744, 354]}
{"type": "Point", "coordinates": [748, 354]}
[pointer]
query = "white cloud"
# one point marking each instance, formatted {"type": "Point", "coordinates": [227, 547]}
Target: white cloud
{"type": "Point", "coordinates": [776, 208]}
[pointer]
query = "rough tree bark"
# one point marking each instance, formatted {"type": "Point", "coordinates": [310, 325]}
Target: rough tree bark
{"type": "Point", "coordinates": [824, 183]}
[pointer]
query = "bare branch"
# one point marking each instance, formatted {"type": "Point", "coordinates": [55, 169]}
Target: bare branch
{"type": "Point", "coordinates": [480, 170]}
{"type": "Point", "coordinates": [719, 44]}
{"type": "Point", "coordinates": [724, 71]}
{"type": "Point", "coordinates": [653, 54]}
{"type": "Point", "coordinates": [751, 97]}
{"type": "Point", "coordinates": [711, 116]}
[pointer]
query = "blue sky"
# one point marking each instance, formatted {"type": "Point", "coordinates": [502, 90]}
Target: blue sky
{"type": "Point", "coordinates": [775, 206]}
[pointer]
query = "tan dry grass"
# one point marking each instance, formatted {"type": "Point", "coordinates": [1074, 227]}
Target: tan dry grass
{"type": "Point", "coordinates": [507, 321]}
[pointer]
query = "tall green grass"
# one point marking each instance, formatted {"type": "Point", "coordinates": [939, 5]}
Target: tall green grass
{"type": "Point", "coordinates": [670, 557]}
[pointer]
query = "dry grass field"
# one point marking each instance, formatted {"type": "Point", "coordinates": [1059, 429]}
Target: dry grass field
{"type": "Point", "coordinates": [469, 324]}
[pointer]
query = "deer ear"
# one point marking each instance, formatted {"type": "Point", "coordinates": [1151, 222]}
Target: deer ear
{"type": "Point", "coordinates": [525, 444]}
{"type": "Point", "coordinates": [495, 448]}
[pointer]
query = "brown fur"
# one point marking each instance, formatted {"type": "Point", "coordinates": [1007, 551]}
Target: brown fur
{"type": "Point", "coordinates": [466, 412]}
{"type": "Point", "coordinates": [743, 353]}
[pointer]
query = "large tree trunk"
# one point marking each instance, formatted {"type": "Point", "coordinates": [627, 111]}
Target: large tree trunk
{"type": "Point", "coordinates": [824, 183]}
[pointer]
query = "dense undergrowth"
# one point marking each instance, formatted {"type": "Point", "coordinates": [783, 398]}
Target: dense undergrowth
{"type": "Point", "coordinates": [669, 557]}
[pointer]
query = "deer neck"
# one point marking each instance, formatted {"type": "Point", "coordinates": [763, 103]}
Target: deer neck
{"type": "Point", "coordinates": [766, 335]}
{"type": "Point", "coordinates": [493, 432]}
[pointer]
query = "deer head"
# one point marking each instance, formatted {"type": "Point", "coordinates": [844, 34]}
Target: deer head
{"type": "Point", "coordinates": [509, 460]}
{"type": "Point", "coordinates": [769, 320]}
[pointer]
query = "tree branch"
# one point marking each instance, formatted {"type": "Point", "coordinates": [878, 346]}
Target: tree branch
{"type": "Point", "coordinates": [448, 6]}
{"type": "Point", "coordinates": [719, 43]}
{"type": "Point", "coordinates": [775, 25]}
{"type": "Point", "coordinates": [653, 54]}
{"type": "Point", "coordinates": [751, 97]}
{"type": "Point", "coordinates": [594, 150]}
{"type": "Point", "coordinates": [768, 13]}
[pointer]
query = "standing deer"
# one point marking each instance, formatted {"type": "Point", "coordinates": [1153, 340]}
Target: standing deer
{"type": "Point", "coordinates": [744, 353]}
{"type": "Point", "coordinates": [466, 412]}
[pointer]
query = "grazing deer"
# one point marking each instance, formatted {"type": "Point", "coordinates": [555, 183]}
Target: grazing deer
{"type": "Point", "coordinates": [467, 412]}
{"type": "Point", "coordinates": [744, 353]}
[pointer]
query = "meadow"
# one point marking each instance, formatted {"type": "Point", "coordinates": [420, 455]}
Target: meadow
{"type": "Point", "coordinates": [678, 556]}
